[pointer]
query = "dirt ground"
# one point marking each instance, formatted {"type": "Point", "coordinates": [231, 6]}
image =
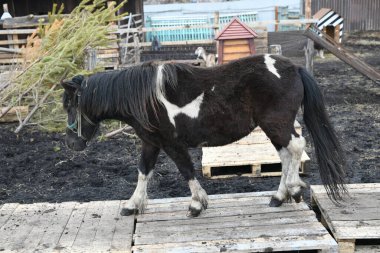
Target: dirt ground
{"type": "Point", "coordinates": [37, 167]}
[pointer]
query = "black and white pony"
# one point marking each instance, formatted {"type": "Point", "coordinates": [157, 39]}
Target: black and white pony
{"type": "Point", "coordinates": [175, 106]}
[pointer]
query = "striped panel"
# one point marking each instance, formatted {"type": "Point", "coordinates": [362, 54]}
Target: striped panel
{"type": "Point", "coordinates": [331, 18]}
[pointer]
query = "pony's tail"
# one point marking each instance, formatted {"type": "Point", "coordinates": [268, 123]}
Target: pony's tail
{"type": "Point", "coordinates": [329, 153]}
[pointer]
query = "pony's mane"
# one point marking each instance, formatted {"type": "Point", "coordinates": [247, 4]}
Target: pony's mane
{"type": "Point", "coordinates": [133, 91]}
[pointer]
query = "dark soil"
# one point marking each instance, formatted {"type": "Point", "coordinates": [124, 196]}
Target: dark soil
{"type": "Point", "coordinates": [37, 167]}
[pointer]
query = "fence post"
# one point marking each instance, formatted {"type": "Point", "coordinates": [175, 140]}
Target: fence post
{"type": "Point", "coordinates": [309, 50]}
{"type": "Point", "coordinates": [136, 42]}
{"type": "Point", "coordinates": [309, 54]}
{"type": "Point", "coordinates": [91, 59]}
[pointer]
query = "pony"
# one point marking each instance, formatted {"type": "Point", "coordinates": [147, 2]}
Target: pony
{"type": "Point", "coordinates": [210, 59]}
{"type": "Point", "coordinates": [174, 106]}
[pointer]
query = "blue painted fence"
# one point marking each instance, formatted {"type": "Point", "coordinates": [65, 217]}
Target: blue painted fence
{"type": "Point", "coordinates": [190, 33]}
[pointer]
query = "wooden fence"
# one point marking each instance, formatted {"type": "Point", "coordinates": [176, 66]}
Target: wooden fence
{"type": "Point", "coordinates": [130, 39]}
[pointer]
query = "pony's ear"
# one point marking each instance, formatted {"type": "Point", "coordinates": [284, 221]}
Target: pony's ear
{"type": "Point", "coordinates": [74, 84]}
{"type": "Point", "coordinates": [70, 86]}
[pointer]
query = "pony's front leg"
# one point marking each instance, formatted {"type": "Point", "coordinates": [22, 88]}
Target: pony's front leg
{"type": "Point", "coordinates": [138, 201]}
{"type": "Point", "coordinates": [199, 198]}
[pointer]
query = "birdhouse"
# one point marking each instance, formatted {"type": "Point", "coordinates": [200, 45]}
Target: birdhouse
{"type": "Point", "coordinates": [236, 40]}
{"type": "Point", "coordinates": [330, 22]}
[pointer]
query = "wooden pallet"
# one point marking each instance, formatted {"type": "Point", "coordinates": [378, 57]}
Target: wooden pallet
{"type": "Point", "coordinates": [257, 160]}
{"type": "Point", "coordinates": [251, 156]}
{"type": "Point", "coordinates": [65, 227]}
{"type": "Point", "coordinates": [240, 222]}
{"type": "Point", "coordinates": [357, 219]}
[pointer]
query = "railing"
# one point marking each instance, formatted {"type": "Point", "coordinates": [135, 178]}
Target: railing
{"type": "Point", "coordinates": [194, 24]}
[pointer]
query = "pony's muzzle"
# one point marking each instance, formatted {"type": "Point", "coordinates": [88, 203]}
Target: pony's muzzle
{"type": "Point", "coordinates": [75, 143]}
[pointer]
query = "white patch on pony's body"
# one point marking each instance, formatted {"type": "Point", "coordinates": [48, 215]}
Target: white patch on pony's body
{"type": "Point", "coordinates": [140, 196]}
{"type": "Point", "coordinates": [269, 61]}
{"type": "Point", "coordinates": [191, 109]}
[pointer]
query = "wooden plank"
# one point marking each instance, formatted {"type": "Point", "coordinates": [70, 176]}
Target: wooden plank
{"type": "Point", "coordinates": [222, 212]}
{"type": "Point", "coordinates": [104, 234]}
{"type": "Point", "coordinates": [346, 214]}
{"type": "Point", "coordinates": [183, 205]}
{"type": "Point", "coordinates": [23, 220]}
{"type": "Point", "coordinates": [369, 229]}
{"type": "Point", "coordinates": [11, 61]}
{"type": "Point", "coordinates": [44, 236]}
{"type": "Point", "coordinates": [87, 231]}
{"type": "Point", "coordinates": [230, 196]}
{"type": "Point", "coordinates": [6, 212]}
{"type": "Point", "coordinates": [262, 244]}
{"type": "Point", "coordinates": [122, 237]}
{"type": "Point", "coordinates": [17, 31]}
{"type": "Point", "coordinates": [236, 42]}
{"type": "Point", "coordinates": [310, 228]}
{"type": "Point", "coordinates": [367, 187]}
{"type": "Point", "coordinates": [236, 49]}
{"type": "Point", "coordinates": [343, 54]}
{"type": "Point", "coordinates": [358, 200]}
{"type": "Point", "coordinates": [248, 222]}
{"type": "Point", "coordinates": [367, 249]}
{"type": "Point", "coordinates": [152, 226]}
{"type": "Point", "coordinates": [72, 227]}
{"type": "Point", "coordinates": [14, 113]}
{"type": "Point", "coordinates": [233, 56]}
{"type": "Point", "coordinates": [13, 42]}
{"type": "Point", "coordinates": [232, 155]}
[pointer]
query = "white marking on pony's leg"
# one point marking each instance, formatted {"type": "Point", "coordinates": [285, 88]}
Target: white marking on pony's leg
{"type": "Point", "coordinates": [269, 61]}
{"type": "Point", "coordinates": [213, 88]}
{"type": "Point", "coordinates": [293, 182]}
{"type": "Point", "coordinates": [285, 156]}
{"type": "Point", "coordinates": [199, 196]}
{"type": "Point", "coordinates": [139, 198]}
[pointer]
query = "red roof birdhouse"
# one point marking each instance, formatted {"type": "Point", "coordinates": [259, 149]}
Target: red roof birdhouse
{"type": "Point", "coordinates": [236, 40]}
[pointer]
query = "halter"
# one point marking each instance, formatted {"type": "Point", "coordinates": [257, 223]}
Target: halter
{"type": "Point", "coordinates": [76, 126]}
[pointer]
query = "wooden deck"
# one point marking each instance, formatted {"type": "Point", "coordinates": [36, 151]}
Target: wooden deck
{"type": "Point", "coordinates": [357, 219]}
{"type": "Point", "coordinates": [240, 222]}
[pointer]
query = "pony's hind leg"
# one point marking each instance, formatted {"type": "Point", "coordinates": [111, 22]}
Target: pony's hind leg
{"type": "Point", "coordinates": [290, 147]}
{"type": "Point", "coordinates": [294, 184]}
{"type": "Point", "coordinates": [199, 198]}
{"type": "Point", "coordinates": [138, 200]}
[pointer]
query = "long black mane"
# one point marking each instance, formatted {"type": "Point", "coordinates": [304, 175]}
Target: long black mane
{"type": "Point", "coordinates": [133, 91]}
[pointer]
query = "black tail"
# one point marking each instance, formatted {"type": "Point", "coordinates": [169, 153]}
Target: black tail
{"type": "Point", "coordinates": [327, 148]}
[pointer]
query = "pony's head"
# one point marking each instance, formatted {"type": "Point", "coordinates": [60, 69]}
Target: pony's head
{"type": "Point", "coordinates": [200, 51]}
{"type": "Point", "coordinates": [80, 128]}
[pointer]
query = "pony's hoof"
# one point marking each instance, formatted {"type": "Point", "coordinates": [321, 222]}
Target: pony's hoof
{"type": "Point", "coordinates": [297, 197]}
{"type": "Point", "coordinates": [193, 212]}
{"type": "Point", "coordinates": [127, 211]}
{"type": "Point", "coordinates": [274, 202]}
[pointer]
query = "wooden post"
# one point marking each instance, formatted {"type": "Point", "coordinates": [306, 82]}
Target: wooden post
{"type": "Point", "coordinates": [91, 59]}
{"type": "Point", "coordinates": [276, 18]}
{"type": "Point", "coordinates": [216, 28]}
{"type": "Point", "coordinates": [309, 49]}
{"type": "Point", "coordinates": [344, 55]}
{"type": "Point", "coordinates": [136, 42]}
{"type": "Point", "coordinates": [309, 55]}
{"type": "Point", "coordinates": [10, 37]}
